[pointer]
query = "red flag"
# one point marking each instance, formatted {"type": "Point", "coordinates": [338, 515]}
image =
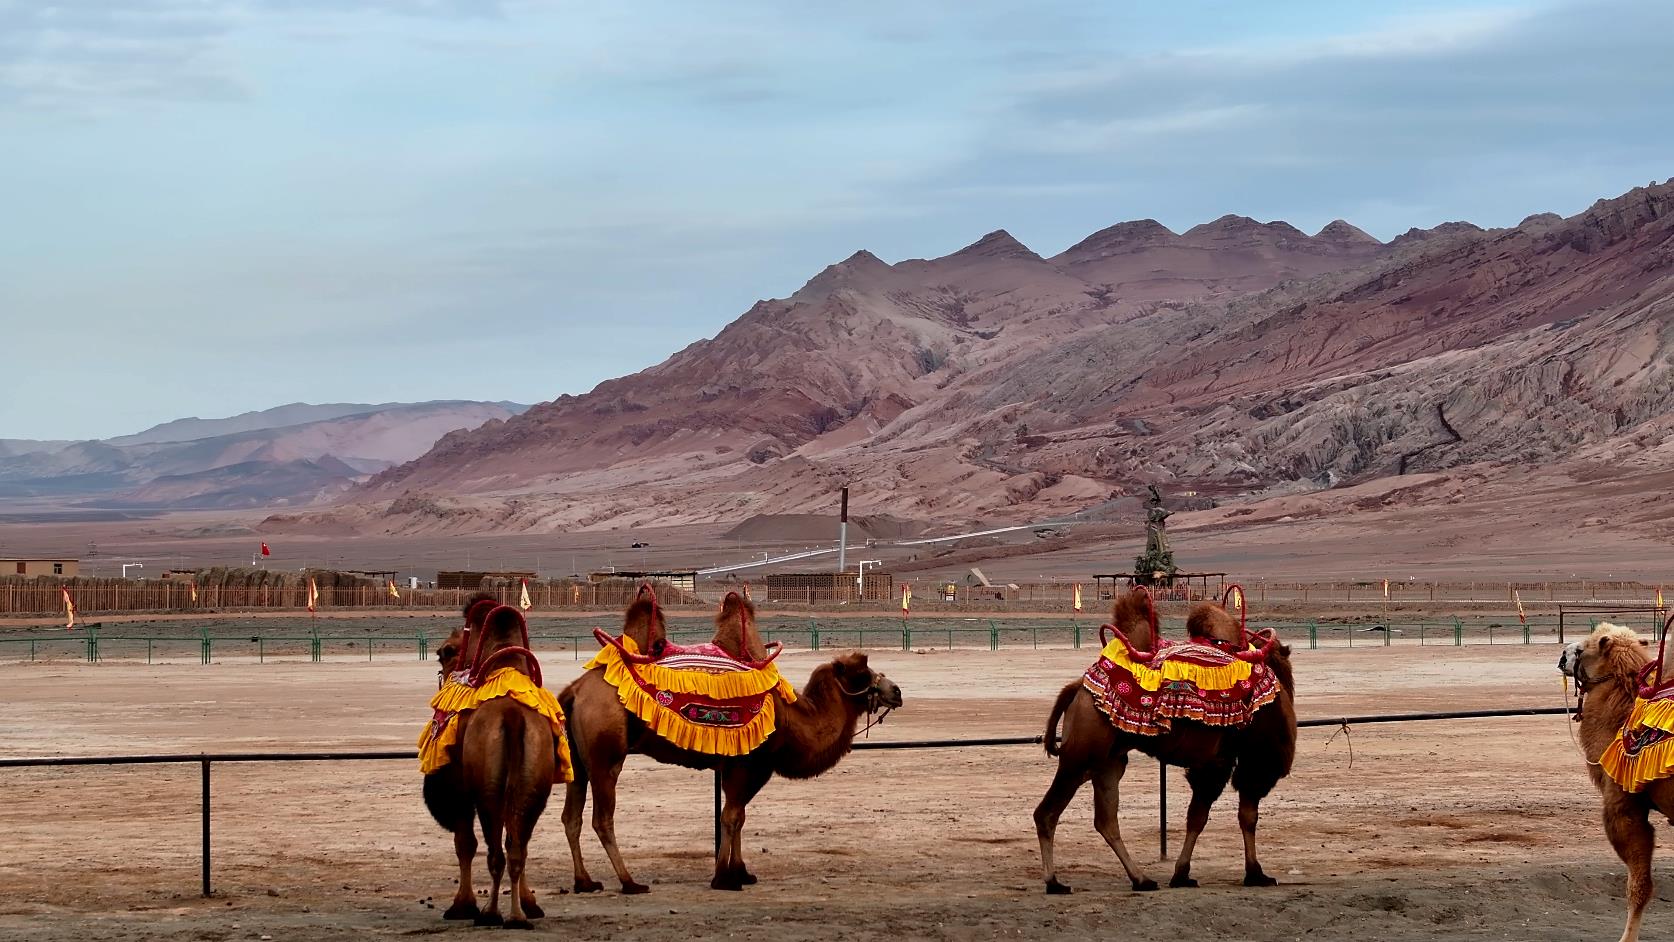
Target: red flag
{"type": "Point", "coordinates": [266, 551]}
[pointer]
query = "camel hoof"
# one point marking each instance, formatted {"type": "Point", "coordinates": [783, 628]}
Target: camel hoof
{"type": "Point", "coordinates": [588, 886]}
{"type": "Point", "coordinates": [747, 878]}
{"type": "Point", "coordinates": [1259, 879]}
{"type": "Point", "coordinates": [489, 919]}
{"type": "Point", "coordinates": [634, 889]}
{"type": "Point", "coordinates": [1054, 888]}
{"type": "Point", "coordinates": [731, 884]}
{"type": "Point", "coordinates": [533, 910]}
{"type": "Point", "coordinates": [518, 924]}
{"type": "Point", "coordinates": [459, 911]}
{"type": "Point", "coordinates": [1182, 883]}
{"type": "Point", "coordinates": [1146, 885]}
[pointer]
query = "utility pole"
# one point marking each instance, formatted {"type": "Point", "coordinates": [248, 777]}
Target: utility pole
{"type": "Point", "coordinates": [843, 532]}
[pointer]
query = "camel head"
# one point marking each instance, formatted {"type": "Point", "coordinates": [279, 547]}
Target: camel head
{"type": "Point", "coordinates": [870, 689]}
{"type": "Point", "coordinates": [1136, 614]}
{"type": "Point", "coordinates": [1610, 653]}
{"type": "Point", "coordinates": [451, 651]}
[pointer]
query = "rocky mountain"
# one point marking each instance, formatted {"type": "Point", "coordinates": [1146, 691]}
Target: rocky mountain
{"type": "Point", "coordinates": [252, 460]}
{"type": "Point", "coordinates": [1237, 358]}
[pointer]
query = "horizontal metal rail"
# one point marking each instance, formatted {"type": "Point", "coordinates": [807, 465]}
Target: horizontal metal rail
{"type": "Point", "coordinates": [205, 760]}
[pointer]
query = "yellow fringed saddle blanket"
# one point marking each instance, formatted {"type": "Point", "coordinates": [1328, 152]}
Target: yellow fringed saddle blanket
{"type": "Point", "coordinates": [700, 699]}
{"type": "Point", "coordinates": [1182, 680]}
{"type": "Point", "coordinates": [1643, 751]}
{"type": "Point", "coordinates": [457, 696]}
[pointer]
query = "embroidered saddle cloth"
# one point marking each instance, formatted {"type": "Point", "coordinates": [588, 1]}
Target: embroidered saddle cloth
{"type": "Point", "coordinates": [1643, 751]}
{"type": "Point", "coordinates": [1182, 680]}
{"type": "Point", "coordinates": [457, 695]}
{"type": "Point", "coordinates": [698, 698]}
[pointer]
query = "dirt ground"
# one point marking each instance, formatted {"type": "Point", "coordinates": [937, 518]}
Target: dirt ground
{"type": "Point", "coordinates": [1476, 829]}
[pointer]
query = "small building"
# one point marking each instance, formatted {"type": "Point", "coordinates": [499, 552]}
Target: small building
{"type": "Point", "coordinates": [684, 580]}
{"type": "Point", "coordinates": [812, 587]}
{"type": "Point", "coordinates": [40, 567]}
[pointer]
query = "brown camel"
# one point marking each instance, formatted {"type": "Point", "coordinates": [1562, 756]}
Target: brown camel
{"type": "Point", "coordinates": [1254, 757]}
{"type": "Point", "coordinates": [1607, 668]}
{"type": "Point", "coordinates": [811, 735]}
{"type": "Point", "coordinates": [501, 770]}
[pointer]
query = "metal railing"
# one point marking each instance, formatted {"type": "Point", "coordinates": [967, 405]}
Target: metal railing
{"type": "Point", "coordinates": [206, 761]}
{"type": "Point", "coordinates": [94, 643]}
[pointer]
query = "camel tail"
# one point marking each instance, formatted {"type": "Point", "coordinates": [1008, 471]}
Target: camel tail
{"type": "Point", "coordinates": [1066, 696]}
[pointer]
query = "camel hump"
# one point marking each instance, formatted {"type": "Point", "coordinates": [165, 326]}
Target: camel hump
{"type": "Point", "coordinates": [735, 629]}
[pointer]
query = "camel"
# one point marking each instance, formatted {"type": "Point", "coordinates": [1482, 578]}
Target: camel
{"type": "Point", "coordinates": [501, 770]}
{"type": "Point", "coordinates": [810, 736]}
{"type": "Point", "coordinates": [1609, 668]}
{"type": "Point", "coordinates": [1254, 757]}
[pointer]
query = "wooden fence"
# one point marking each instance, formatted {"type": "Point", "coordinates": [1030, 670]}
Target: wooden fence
{"type": "Point", "coordinates": [337, 592]}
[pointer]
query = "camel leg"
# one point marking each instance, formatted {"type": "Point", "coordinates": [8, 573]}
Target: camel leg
{"type": "Point", "coordinates": [1634, 839]}
{"type": "Point", "coordinates": [493, 835]}
{"type": "Point", "coordinates": [518, 832]}
{"type": "Point", "coordinates": [465, 898]}
{"type": "Point", "coordinates": [1249, 812]}
{"type": "Point", "coordinates": [1207, 784]}
{"type": "Point", "coordinates": [604, 824]}
{"type": "Point", "coordinates": [1065, 784]}
{"type": "Point", "coordinates": [1107, 781]}
{"type": "Point", "coordinates": [575, 804]}
{"type": "Point", "coordinates": [740, 782]}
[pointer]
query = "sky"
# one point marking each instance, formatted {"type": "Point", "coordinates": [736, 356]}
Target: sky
{"type": "Point", "coordinates": [209, 206]}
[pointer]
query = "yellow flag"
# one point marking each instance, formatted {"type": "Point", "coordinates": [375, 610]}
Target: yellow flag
{"type": "Point", "coordinates": [906, 599]}
{"type": "Point", "coordinates": [523, 597]}
{"type": "Point", "coordinates": [1518, 597]}
{"type": "Point", "coordinates": [1076, 597]}
{"type": "Point", "coordinates": [1659, 597]}
{"type": "Point", "coordinates": [1237, 597]}
{"type": "Point", "coordinates": [575, 595]}
{"type": "Point", "coordinates": [1386, 588]}
{"type": "Point", "coordinates": [194, 586]}
{"type": "Point", "coordinates": [394, 593]}
{"type": "Point", "coordinates": [69, 609]}
{"type": "Point", "coordinates": [313, 594]}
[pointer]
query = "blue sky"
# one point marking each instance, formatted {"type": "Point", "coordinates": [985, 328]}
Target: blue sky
{"type": "Point", "coordinates": [219, 206]}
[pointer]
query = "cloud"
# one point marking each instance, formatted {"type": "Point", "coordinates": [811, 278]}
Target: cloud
{"type": "Point", "coordinates": [86, 53]}
{"type": "Point", "coordinates": [1488, 114]}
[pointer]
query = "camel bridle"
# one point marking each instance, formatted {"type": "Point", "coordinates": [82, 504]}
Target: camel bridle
{"type": "Point", "coordinates": [873, 699]}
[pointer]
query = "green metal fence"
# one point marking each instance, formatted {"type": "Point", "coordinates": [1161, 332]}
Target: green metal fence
{"type": "Point", "coordinates": [172, 644]}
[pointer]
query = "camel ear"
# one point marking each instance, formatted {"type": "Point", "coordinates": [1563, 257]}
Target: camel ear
{"type": "Point", "coordinates": [1604, 644]}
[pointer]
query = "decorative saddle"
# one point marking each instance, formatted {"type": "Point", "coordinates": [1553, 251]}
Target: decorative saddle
{"type": "Point", "coordinates": [1144, 692]}
{"type": "Point", "coordinates": [1643, 751]}
{"type": "Point", "coordinates": [468, 689]}
{"type": "Point", "coordinates": [699, 698]}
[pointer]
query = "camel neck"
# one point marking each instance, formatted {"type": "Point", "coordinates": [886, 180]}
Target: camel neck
{"type": "Point", "coordinates": [819, 727]}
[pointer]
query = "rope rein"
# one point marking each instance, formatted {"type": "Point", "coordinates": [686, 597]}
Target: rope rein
{"type": "Point", "coordinates": [1348, 738]}
{"type": "Point", "coordinates": [1570, 721]}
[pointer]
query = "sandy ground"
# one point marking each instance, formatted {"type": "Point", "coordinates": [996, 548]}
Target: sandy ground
{"type": "Point", "coordinates": [1480, 829]}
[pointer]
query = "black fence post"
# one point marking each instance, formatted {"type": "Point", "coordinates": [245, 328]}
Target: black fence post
{"type": "Point", "coordinates": [1162, 809]}
{"type": "Point", "coordinates": [717, 811]}
{"type": "Point", "coordinates": [206, 888]}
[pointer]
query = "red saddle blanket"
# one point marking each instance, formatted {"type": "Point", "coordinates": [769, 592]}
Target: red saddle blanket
{"type": "Point", "coordinates": [698, 698]}
{"type": "Point", "coordinates": [1182, 680]}
{"type": "Point", "coordinates": [1643, 751]}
